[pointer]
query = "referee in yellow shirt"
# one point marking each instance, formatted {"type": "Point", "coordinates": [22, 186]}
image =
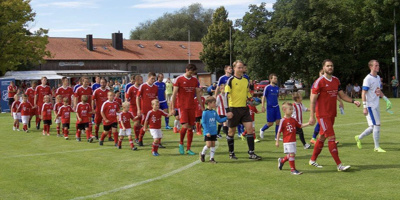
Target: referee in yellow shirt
{"type": "Point", "coordinates": [237, 92]}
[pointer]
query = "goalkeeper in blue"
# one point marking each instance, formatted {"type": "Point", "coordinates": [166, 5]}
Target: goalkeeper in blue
{"type": "Point", "coordinates": [371, 93]}
{"type": "Point", "coordinates": [209, 121]}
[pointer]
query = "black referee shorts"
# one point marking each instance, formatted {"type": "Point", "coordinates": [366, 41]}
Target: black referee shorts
{"type": "Point", "coordinates": [240, 115]}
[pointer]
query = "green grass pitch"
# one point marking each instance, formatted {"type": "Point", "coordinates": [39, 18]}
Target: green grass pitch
{"type": "Point", "coordinates": [33, 166]}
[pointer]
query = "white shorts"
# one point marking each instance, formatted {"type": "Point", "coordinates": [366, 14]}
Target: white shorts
{"type": "Point", "coordinates": [127, 132]}
{"type": "Point", "coordinates": [374, 116]}
{"type": "Point", "coordinates": [58, 120]}
{"type": "Point", "coordinates": [156, 133]}
{"type": "Point", "coordinates": [289, 147]}
{"type": "Point", "coordinates": [16, 115]}
{"type": "Point", "coordinates": [25, 119]}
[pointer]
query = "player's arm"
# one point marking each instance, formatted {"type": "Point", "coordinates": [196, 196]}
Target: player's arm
{"type": "Point", "coordinates": [263, 100]}
{"type": "Point", "coordinates": [229, 113]}
{"type": "Point", "coordinates": [138, 105]}
{"type": "Point", "coordinates": [305, 125]}
{"type": "Point", "coordinates": [313, 102]}
{"type": "Point", "coordinates": [364, 100]}
{"type": "Point", "coordinates": [340, 102]}
{"type": "Point", "coordinates": [173, 100]}
{"type": "Point", "coordinates": [198, 95]}
{"type": "Point", "coordinates": [347, 99]}
{"type": "Point", "coordinates": [277, 136]}
{"type": "Point", "coordinates": [146, 122]}
{"type": "Point", "coordinates": [92, 102]}
{"type": "Point", "coordinates": [35, 100]}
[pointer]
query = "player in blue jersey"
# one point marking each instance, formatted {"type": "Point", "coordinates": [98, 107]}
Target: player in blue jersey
{"type": "Point", "coordinates": [271, 94]}
{"type": "Point", "coordinates": [223, 79]}
{"type": "Point", "coordinates": [162, 97]}
{"type": "Point", "coordinates": [130, 84]}
{"type": "Point", "coordinates": [96, 84]}
{"type": "Point", "coordinates": [78, 84]}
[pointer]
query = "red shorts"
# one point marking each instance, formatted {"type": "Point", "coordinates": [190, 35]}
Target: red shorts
{"type": "Point", "coordinates": [98, 118]}
{"type": "Point", "coordinates": [326, 124]}
{"type": "Point", "coordinates": [187, 116]}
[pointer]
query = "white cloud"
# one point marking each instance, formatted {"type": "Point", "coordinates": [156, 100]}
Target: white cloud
{"type": "Point", "coordinates": [69, 4]}
{"type": "Point", "coordinates": [205, 3]}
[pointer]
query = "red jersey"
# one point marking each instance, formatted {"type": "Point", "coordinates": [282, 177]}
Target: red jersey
{"type": "Point", "coordinates": [118, 100]}
{"type": "Point", "coordinates": [147, 93]}
{"type": "Point", "coordinates": [221, 105]}
{"type": "Point", "coordinates": [288, 128]}
{"type": "Point", "coordinates": [125, 118]}
{"type": "Point", "coordinates": [57, 107]}
{"type": "Point", "coordinates": [12, 90]}
{"type": "Point", "coordinates": [84, 91]}
{"type": "Point", "coordinates": [131, 97]}
{"type": "Point", "coordinates": [328, 91]}
{"type": "Point", "coordinates": [253, 110]}
{"type": "Point", "coordinates": [40, 92]}
{"type": "Point", "coordinates": [187, 91]}
{"type": "Point", "coordinates": [199, 111]}
{"type": "Point", "coordinates": [298, 109]}
{"type": "Point", "coordinates": [83, 111]}
{"type": "Point", "coordinates": [65, 93]}
{"type": "Point", "coordinates": [25, 109]}
{"type": "Point", "coordinates": [30, 92]}
{"type": "Point", "coordinates": [99, 97]}
{"type": "Point", "coordinates": [153, 118]}
{"type": "Point", "coordinates": [15, 105]}
{"type": "Point", "coordinates": [46, 111]}
{"type": "Point", "coordinates": [65, 113]}
{"type": "Point", "coordinates": [110, 109]}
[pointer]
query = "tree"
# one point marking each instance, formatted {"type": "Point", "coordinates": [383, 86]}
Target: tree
{"type": "Point", "coordinates": [216, 45]}
{"type": "Point", "coordinates": [18, 46]}
{"type": "Point", "coordinates": [175, 26]}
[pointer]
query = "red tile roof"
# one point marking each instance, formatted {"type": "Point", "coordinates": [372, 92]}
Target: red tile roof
{"type": "Point", "coordinates": [75, 49]}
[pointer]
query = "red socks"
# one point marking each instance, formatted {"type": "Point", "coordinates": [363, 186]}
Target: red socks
{"type": "Point", "coordinates": [131, 143]}
{"type": "Point", "coordinates": [182, 133]}
{"type": "Point", "coordinates": [25, 127]}
{"type": "Point", "coordinates": [119, 142]}
{"type": "Point", "coordinates": [46, 128]}
{"type": "Point", "coordinates": [58, 129]}
{"type": "Point", "coordinates": [136, 129]}
{"type": "Point", "coordinates": [189, 139]}
{"type": "Point", "coordinates": [65, 132]}
{"type": "Point", "coordinates": [141, 134]}
{"type": "Point", "coordinates": [284, 159]}
{"type": "Point", "coordinates": [115, 137]}
{"type": "Point", "coordinates": [96, 130]}
{"type": "Point", "coordinates": [334, 151]}
{"type": "Point", "coordinates": [155, 147]}
{"type": "Point", "coordinates": [317, 149]}
{"type": "Point", "coordinates": [198, 128]}
{"type": "Point", "coordinates": [78, 134]}
{"type": "Point", "coordinates": [88, 135]}
{"type": "Point", "coordinates": [103, 135]}
{"type": "Point", "coordinates": [291, 163]}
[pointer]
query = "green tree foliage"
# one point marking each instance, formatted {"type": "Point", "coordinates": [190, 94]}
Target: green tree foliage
{"type": "Point", "coordinates": [18, 46]}
{"type": "Point", "coordinates": [216, 45]}
{"type": "Point", "coordinates": [175, 26]}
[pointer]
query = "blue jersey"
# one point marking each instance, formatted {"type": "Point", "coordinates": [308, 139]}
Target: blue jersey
{"type": "Point", "coordinates": [223, 79]}
{"type": "Point", "coordinates": [95, 86]}
{"type": "Point", "coordinates": [209, 121]}
{"type": "Point", "coordinates": [271, 93]}
{"type": "Point", "coordinates": [76, 87]}
{"type": "Point", "coordinates": [161, 91]}
{"type": "Point", "coordinates": [211, 88]}
{"type": "Point", "coordinates": [247, 77]}
{"type": "Point", "coordinates": [127, 87]}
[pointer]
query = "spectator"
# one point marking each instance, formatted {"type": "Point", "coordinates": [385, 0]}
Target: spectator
{"type": "Point", "coordinates": [395, 85]}
{"type": "Point", "coordinates": [357, 90]}
{"type": "Point", "coordinates": [116, 86]}
{"type": "Point", "coordinates": [122, 89]}
{"type": "Point", "coordinates": [211, 89]}
{"type": "Point", "coordinates": [282, 92]}
{"type": "Point", "coordinates": [349, 90]}
{"type": "Point", "coordinates": [168, 91]}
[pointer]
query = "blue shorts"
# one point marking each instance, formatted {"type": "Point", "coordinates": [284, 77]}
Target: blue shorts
{"type": "Point", "coordinates": [163, 105]}
{"type": "Point", "coordinates": [273, 114]}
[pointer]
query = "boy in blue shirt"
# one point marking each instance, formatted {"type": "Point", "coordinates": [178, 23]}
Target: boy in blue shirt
{"type": "Point", "coordinates": [162, 87]}
{"type": "Point", "coordinates": [271, 94]}
{"type": "Point", "coordinates": [209, 121]}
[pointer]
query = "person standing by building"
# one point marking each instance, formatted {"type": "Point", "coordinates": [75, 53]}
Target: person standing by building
{"type": "Point", "coordinates": [395, 85]}
{"type": "Point", "coordinates": [168, 91]}
{"type": "Point", "coordinates": [323, 103]}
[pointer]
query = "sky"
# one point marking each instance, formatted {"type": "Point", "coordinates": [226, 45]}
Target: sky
{"type": "Point", "coordinates": [77, 18]}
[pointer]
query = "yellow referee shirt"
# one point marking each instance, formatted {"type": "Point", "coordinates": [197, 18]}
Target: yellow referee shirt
{"type": "Point", "coordinates": [237, 91]}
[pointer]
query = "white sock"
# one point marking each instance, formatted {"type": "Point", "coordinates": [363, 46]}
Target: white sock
{"type": "Point", "coordinates": [176, 124]}
{"type": "Point", "coordinates": [376, 135]}
{"type": "Point", "coordinates": [212, 152]}
{"type": "Point", "coordinates": [204, 150]}
{"type": "Point", "coordinates": [365, 133]}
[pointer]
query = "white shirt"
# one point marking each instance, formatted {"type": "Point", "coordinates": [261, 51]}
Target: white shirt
{"type": "Point", "coordinates": [371, 84]}
{"type": "Point", "coordinates": [357, 88]}
{"type": "Point", "coordinates": [298, 109]}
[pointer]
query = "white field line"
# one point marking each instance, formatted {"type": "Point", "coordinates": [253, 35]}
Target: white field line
{"type": "Point", "coordinates": [60, 152]}
{"type": "Point", "coordinates": [143, 182]}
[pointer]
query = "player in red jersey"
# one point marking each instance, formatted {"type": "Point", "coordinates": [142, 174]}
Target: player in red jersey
{"type": "Point", "coordinates": [83, 113]}
{"type": "Point", "coordinates": [124, 120]}
{"type": "Point", "coordinates": [253, 111]}
{"type": "Point", "coordinates": [117, 99]}
{"type": "Point", "coordinates": [323, 103]}
{"type": "Point", "coordinates": [25, 108]}
{"type": "Point", "coordinates": [57, 119]}
{"type": "Point", "coordinates": [153, 120]}
{"type": "Point", "coordinates": [41, 91]}
{"type": "Point", "coordinates": [14, 112]}
{"type": "Point", "coordinates": [46, 109]}
{"type": "Point", "coordinates": [12, 91]}
{"type": "Point", "coordinates": [187, 86]}
{"type": "Point", "coordinates": [146, 93]}
{"type": "Point", "coordinates": [198, 114]}
{"type": "Point", "coordinates": [85, 89]}
{"type": "Point", "coordinates": [65, 90]}
{"type": "Point", "coordinates": [131, 97]}
{"type": "Point", "coordinates": [109, 111]}
{"type": "Point", "coordinates": [30, 92]}
{"type": "Point", "coordinates": [99, 97]}
{"type": "Point", "coordinates": [288, 126]}
{"type": "Point", "coordinates": [64, 112]}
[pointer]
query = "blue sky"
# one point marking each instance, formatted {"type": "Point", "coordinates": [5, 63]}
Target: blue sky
{"type": "Point", "coordinates": [76, 18]}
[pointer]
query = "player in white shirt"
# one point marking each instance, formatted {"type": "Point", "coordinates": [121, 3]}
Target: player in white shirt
{"type": "Point", "coordinates": [371, 93]}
